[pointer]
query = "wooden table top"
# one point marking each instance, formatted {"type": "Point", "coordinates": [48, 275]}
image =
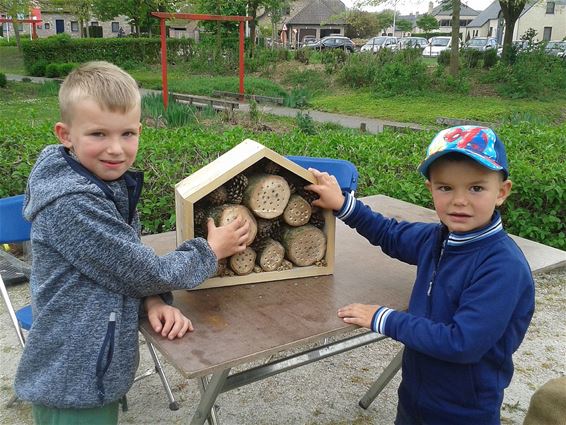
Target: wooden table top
{"type": "Point", "coordinates": [239, 324]}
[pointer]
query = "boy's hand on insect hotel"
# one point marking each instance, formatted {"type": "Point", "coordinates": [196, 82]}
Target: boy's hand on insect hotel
{"type": "Point", "coordinates": [229, 239]}
{"type": "Point", "coordinates": [328, 190]}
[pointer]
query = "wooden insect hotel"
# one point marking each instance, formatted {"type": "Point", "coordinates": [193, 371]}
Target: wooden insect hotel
{"type": "Point", "coordinates": [289, 237]}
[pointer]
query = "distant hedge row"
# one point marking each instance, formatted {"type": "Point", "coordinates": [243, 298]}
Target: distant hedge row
{"type": "Point", "coordinates": [61, 49]}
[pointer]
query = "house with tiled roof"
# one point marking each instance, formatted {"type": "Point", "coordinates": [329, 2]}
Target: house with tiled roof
{"type": "Point", "coordinates": [547, 18]}
{"type": "Point", "coordinates": [314, 18]}
{"type": "Point", "coordinates": [443, 14]}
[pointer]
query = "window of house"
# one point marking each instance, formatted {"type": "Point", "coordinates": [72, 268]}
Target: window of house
{"type": "Point", "coordinates": [74, 26]}
{"type": "Point", "coordinates": [547, 33]}
{"type": "Point", "coordinates": [115, 26]}
{"type": "Point", "coordinates": [445, 23]}
{"type": "Point", "coordinates": [550, 7]}
{"type": "Point", "coordinates": [47, 26]}
{"type": "Point", "coordinates": [490, 32]}
{"type": "Point", "coordinates": [94, 24]}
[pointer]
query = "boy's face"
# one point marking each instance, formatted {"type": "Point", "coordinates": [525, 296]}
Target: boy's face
{"type": "Point", "coordinates": [105, 142]}
{"type": "Point", "coordinates": [465, 193]}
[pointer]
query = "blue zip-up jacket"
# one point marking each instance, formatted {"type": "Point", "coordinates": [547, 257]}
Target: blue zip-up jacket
{"type": "Point", "coordinates": [89, 274]}
{"type": "Point", "coordinates": [470, 307]}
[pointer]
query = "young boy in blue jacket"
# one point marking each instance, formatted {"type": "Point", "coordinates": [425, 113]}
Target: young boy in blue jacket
{"type": "Point", "coordinates": [473, 297]}
{"type": "Point", "coordinates": [91, 275]}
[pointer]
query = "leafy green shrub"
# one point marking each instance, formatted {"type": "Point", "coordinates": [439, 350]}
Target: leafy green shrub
{"type": "Point", "coordinates": [38, 68]}
{"type": "Point", "coordinates": [360, 70]}
{"type": "Point", "coordinates": [303, 55]}
{"type": "Point", "coordinates": [3, 80]}
{"type": "Point", "coordinates": [305, 123]}
{"type": "Point", "coordinates": [405, 74]}
{"type": "Point", "coordinates": [254, 111]}
{"type": "Point", "coordinates": [443, 58]}
{"type": "Point", "coordinates": [470, 58]}
{"type": "Point", "coordinates": [534, 74]}
{"type": "Point", "coordinates": [297, 98]}
{"type": "Point", "coordinates": [443, 82]}
{"type": "Point", "coordinates": [52, 70]}
{"type": "Point", "coordinates": [333, 60]}
{"type": "Point", "coordinates": [66, 68]}
{"type": "Point", "coordinates": [489, 58]}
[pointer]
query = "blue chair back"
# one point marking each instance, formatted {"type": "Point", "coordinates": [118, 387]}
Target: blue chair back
{"type": "Point", "coordinates": [13, 226]}
{"type": "Point", "coordinates": [344, 171]}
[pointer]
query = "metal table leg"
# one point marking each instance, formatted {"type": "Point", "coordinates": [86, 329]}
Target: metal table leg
{"type": "Point", "coordinates": [210, 390]}
{"type": "Point", "coordinates": [173, 405]}
{"type": "Point", "coordinates": [386, 376]}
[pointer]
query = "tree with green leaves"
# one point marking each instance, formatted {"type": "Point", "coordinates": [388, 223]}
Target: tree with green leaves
{"type": "Point", "coordinates": [404, 25]}
{"type": "Point", "coordinates": [139, 12]}
{"type": "Point", "coordinates": [511, 11]}
{"type": "Point", "coordinates": [427, 23]}
{"type": "Point", "coordinates": [13, 8]}
{"type": "Point", "coordinates": [361, 24]}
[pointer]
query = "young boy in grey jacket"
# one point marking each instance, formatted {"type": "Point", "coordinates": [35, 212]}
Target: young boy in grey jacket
{"type": "Point", "coordinates": [91, 275]}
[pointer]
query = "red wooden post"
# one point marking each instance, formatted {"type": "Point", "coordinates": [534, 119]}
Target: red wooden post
{"type": "Point", "coordinates": [242, 60]}
{"type": "Point", "coordinates": [164, 89]}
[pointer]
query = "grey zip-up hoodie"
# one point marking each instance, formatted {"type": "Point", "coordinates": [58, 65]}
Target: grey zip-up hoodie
{"type": "Point", "coordinates": [89, 274]}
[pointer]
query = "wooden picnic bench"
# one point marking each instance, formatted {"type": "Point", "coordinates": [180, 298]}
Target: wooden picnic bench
{"type": "Point", "coordinates": [204, 101]}
{"type": "Point", "coordinates": [256, 97]}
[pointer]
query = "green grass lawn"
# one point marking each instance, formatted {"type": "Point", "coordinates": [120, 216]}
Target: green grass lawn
{"type": "Point", "coordinates": [425, 109]}
{"type": "Point", "coordinates": [11, 61]}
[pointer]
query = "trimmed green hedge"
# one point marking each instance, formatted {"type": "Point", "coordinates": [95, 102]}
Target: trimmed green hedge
{"type": "Point", "coordinates": [116, 50]}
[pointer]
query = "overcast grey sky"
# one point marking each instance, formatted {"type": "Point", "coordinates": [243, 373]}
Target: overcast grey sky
{"type": "Point", "coordinates": [411, 6]}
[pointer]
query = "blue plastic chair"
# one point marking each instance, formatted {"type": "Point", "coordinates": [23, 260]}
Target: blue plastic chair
{"type": "Point", "coordinates": [344, 171]}
{"type": "Point", "coordinates": [14, 228]}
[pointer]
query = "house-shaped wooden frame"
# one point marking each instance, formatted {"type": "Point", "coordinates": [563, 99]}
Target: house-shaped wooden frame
{"type": "Point", "coordinates": [237, 160]}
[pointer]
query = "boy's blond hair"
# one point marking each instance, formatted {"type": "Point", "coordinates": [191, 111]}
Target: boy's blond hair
{"type": "Point", "coordinates": [109, 86]}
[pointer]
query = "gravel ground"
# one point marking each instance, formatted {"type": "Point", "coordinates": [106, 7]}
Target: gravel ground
{"type": "Point", "coordinates": [325, 392]}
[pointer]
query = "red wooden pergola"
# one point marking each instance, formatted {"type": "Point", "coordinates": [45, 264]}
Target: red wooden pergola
{"type": "Point", "coordinates": [33, 22]}
{"type": "Point", "coordinates": [163, 16]}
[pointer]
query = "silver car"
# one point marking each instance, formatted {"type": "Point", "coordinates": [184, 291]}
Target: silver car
{"type": "Point", "coordinates": [382, 42]}
{"type": "Point", "coordinates": [412, 42]}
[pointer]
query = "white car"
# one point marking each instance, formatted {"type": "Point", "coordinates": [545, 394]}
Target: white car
{"type": "Point", "coordinates": [437, 45]}
{"type": "Point", "coordinates": [381, 42]}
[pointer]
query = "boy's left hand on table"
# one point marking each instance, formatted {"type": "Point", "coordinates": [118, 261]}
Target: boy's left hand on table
{"type": "Point", "coordinates": [167, 320]}
{"type": "Point", "coordinates": [358, 314]}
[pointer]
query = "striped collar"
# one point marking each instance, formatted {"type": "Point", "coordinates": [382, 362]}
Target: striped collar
{"type": "Point", "coordinates": [459, 239]}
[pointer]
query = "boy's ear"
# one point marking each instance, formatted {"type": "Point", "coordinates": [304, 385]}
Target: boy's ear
{"type": "Point", "coordinates": [504, 192]}
{"type": "Point", "coordinates": [140, 128]}
{"type": "Point", "coordinates": [62, 132]}
{"type": "Point", "coordinates": [428, 185]}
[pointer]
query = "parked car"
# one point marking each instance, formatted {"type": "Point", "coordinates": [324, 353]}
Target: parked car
{"type": "Point", "coordinates": [436, 45]}
{"type": "Point", "coordinates": [556, 48]}
{"type": "Point", "coordinates": [380, 42]}
{"type": "Point", "coordinates": [332, 42]}
{"type": "Point", "coordinates": [481, 43]}
{"type": "Point", "coordinates": [412, 42]}
{"type": "Point", "coordinates": [308, 39]}
{"type": "Point", "coordinates": [518, 46]}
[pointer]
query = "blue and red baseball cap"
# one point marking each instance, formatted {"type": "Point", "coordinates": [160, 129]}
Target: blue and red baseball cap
{"type": "Point", "coordinates": [478, 143]}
